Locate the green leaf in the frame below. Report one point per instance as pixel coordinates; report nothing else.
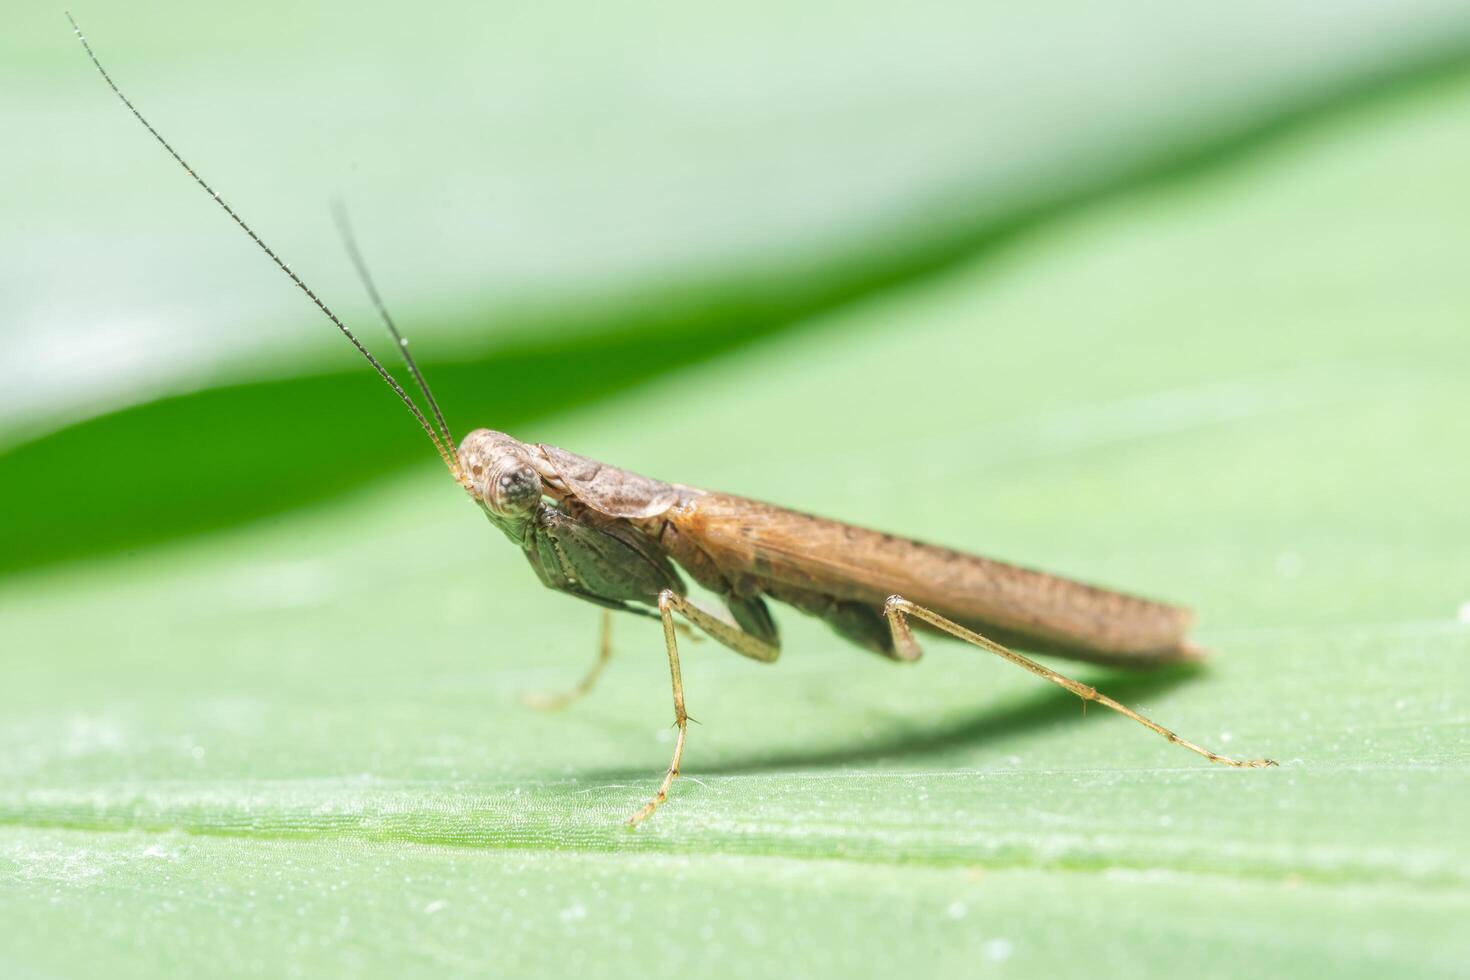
(298, 746)
(558, 170)
(309, 427)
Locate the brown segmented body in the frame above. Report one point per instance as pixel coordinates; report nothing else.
(1012, 605)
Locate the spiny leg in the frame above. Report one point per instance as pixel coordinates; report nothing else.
(558, 701)
(727, 633)
(897, 609)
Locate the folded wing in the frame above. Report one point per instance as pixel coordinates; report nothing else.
(1017, 606)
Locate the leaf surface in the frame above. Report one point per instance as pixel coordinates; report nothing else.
(298, 745)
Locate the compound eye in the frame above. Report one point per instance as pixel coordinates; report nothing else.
(511, 489)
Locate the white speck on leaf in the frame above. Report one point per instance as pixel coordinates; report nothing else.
(437, 905)
(957, 910)
(997, 950)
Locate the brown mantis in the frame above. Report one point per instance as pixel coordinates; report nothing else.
(620, 540)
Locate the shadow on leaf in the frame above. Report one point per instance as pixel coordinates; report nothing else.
(1037, 712)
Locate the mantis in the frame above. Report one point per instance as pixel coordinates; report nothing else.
(625, 542)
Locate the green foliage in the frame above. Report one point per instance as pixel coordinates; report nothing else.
(296, 745)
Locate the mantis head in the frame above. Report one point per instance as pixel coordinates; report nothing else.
(497, 471)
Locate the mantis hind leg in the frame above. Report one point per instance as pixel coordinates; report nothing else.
(732, 636)
(897, 610)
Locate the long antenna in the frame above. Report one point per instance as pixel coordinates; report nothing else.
(446, 453)
(349, 242)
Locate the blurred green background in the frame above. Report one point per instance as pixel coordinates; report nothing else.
(1168, 298)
